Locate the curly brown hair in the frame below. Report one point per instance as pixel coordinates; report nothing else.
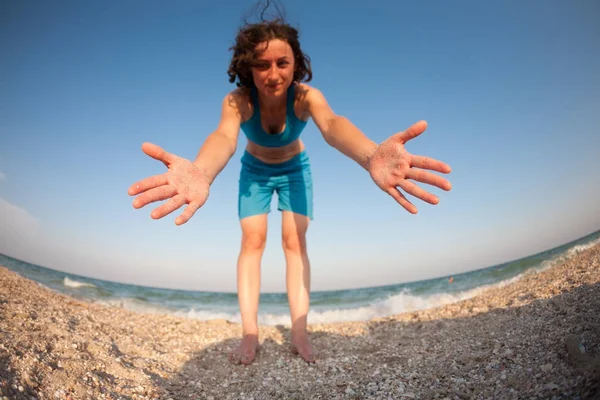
(245, 54)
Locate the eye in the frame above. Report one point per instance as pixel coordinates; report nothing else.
(261, 66)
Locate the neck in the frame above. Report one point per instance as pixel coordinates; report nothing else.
(271, 103)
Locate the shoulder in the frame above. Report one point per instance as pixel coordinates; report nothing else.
(308, 98)
(239, 101)
(238, 97)
(306, 92)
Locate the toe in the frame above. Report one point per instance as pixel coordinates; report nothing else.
(309, 357)
(247, 359)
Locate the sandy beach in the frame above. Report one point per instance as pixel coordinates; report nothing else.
(537, 338)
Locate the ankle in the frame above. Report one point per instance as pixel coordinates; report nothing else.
(250, 333)
(299, 332)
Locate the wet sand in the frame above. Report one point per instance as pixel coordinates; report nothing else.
(538, 338)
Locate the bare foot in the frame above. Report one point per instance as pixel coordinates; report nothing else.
(301, 346)
(246, 351)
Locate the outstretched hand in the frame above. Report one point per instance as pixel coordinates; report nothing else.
(391, 167)
(183, 183)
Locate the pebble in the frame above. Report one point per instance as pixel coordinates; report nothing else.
(546, 367)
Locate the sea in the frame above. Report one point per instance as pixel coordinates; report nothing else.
(326, 306)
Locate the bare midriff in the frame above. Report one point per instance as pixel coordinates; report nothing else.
(274, 155)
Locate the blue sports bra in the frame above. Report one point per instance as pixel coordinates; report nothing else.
(293, 125)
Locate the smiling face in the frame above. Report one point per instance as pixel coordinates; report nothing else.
(273, 69)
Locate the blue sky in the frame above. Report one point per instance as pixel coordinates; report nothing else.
(510, 91)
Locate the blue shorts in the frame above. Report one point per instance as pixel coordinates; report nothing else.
(292, 180)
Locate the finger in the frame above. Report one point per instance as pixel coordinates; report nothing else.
(156, 194)
(148, 183)
(158, 153)
(188, 213)
(430, 163)
(167, 208)
(418, 192)
(403, 201)
(422, 176)
(412, 132)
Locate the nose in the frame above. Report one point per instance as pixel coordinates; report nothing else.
(273, 74)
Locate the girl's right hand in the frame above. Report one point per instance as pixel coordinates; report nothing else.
(183, 183)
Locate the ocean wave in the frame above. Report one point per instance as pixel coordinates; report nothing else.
(582, 247)
(393, 305)
(398, 303)
(567, 254)
(76, 284)
(136, 305)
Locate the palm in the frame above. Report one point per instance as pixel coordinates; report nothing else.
(391, 166)
(183, 183)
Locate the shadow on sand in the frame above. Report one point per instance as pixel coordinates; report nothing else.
(514, 352)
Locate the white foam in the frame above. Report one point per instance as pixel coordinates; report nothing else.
(400, 303)
(76, 284)
(395, 304)
(208, 315)
(571, 252)
(582, 247)
(136, 305)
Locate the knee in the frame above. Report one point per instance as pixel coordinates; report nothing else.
(294, 243)
(253, 241)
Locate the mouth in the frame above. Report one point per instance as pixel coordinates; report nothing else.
(274, 87)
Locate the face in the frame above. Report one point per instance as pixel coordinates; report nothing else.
(273, 72)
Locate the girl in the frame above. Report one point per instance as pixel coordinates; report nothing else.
(272, 105)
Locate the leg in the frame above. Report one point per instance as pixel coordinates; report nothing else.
(297, 279)
(295, 191)
(254, 232)
(255, 194)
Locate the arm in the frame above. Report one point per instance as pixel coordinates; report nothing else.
(338, 131)
(389, 164)
(220, 145)
(187, 182)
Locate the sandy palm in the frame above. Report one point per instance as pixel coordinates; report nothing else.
(183, 183)
(391, 166)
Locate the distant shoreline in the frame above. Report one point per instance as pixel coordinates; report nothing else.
(349, 305)
(446, 277)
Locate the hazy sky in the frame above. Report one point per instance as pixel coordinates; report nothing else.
(510, 91)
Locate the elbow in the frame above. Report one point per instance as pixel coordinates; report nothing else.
(329, 140)
(330, 129)
(230, 143)
(233, 148)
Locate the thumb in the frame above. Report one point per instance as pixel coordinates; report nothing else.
(158, 153)
(412, 132)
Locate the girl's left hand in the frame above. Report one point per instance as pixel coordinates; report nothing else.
(391, 166)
